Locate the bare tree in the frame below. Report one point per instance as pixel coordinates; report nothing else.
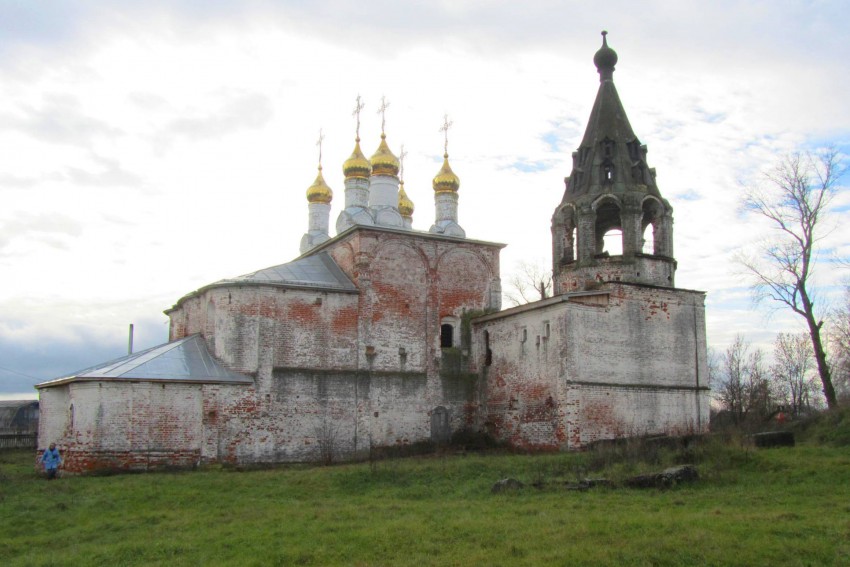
(792, 370)
(715, 364)
(794, 198)
(732, 376)
(759, 394)
(530, 281)
(839, 336)
(742, 384)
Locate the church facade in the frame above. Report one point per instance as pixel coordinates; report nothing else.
(383, 335)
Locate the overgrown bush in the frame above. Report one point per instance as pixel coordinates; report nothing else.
(830, 427)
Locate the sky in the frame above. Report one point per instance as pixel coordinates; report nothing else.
(150, 148)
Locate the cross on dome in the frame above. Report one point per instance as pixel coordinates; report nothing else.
(319, 143)
(383, 112)
(445, 130)
(401, 156)
(356, 113)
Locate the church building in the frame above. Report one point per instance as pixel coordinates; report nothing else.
(384, 335)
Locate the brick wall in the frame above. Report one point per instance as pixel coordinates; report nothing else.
(626, 360)
(335, 373)
(603, 412)
(112, 425)
(520, 401)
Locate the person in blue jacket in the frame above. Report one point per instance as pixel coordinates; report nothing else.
(51, 459)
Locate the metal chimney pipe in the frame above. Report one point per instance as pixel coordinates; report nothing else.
(130, 345)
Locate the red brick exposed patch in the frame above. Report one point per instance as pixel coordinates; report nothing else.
(393, 300)
(344, 319)
(303, 313)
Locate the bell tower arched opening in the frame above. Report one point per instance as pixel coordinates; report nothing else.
(612, 242)
(652, 212)
(564, 237)
(609, 229)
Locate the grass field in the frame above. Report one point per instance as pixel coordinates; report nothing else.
(751, 507)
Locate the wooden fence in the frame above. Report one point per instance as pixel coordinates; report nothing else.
(18, 440)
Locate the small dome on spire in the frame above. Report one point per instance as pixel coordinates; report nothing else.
(357, 165)
(605, 59)
(405, 205)
(384, 161)
(319, 192)
(446, 181)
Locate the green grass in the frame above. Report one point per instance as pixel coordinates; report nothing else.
(765, 507)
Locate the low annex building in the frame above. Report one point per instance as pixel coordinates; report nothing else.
(385, 335)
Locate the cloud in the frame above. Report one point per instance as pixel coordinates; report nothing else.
(686, 195)
(58, 119)
(148, 101)
(109, 174)
(18, 181)
(531, 166)
(562, 130)
(32, 352)
(41, 227)
(25, 365)
(231, 112)
(30, 22)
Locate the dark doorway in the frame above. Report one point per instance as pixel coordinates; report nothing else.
(446, 336)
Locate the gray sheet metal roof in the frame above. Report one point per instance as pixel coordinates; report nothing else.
(318, 271)
(184, 360)
(15, 404)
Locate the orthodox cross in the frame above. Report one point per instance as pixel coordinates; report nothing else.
(319, 143)
(383, 112)
(401, 155)
(356, 113)
(445, 130)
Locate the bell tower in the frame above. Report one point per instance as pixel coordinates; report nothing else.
(612, 223)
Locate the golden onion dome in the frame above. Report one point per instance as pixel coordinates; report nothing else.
(383, 161)
(446, 181)
(405, 205)
(357, 165)
(319, 192)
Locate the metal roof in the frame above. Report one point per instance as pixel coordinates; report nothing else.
(17, 403)
(183, 360)
(318, 271)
